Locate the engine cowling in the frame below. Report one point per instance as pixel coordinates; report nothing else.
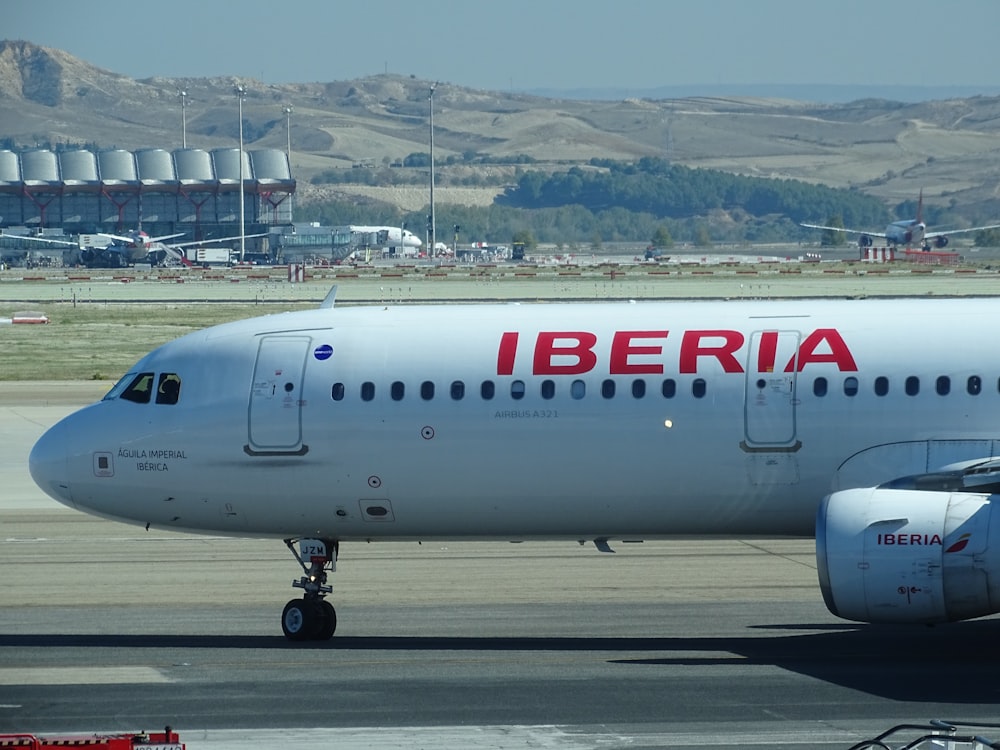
(941, 241)
(909, 555)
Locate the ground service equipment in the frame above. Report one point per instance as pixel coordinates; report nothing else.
(165, 740)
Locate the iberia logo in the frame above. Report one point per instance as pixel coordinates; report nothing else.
(960, 544)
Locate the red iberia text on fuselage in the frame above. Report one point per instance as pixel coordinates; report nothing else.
(642, 352)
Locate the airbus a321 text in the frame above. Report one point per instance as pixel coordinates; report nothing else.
(872, 424)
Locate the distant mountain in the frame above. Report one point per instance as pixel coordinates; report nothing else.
(884, 146)
(803, 92)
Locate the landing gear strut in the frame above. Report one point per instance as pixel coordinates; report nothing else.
(311, 618)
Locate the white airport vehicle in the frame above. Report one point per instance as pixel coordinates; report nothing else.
(874, 424)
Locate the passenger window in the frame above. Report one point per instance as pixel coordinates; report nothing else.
(487, 390)
(912, 385)
(140, 389)
(669, 388)
(974, 385)
(548, 389)
(427, 390)
(578, 389)
(851, 386)
(608, 388)
(367, 391)
(517, 390)
(457, 390)
(337, 392)
(638, 388)
(881, 385)
(397, 390)
(169, 389)
(943, 385)
(698, 387)
(819, 387)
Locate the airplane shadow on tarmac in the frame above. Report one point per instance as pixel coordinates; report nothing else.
(952, 663)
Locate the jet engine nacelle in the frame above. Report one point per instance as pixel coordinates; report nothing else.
(908, 555)
(864, 241)
(941, 241)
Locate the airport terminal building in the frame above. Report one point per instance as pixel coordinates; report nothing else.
(187, 190)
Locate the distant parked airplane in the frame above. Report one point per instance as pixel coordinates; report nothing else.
(382, 236)
(104, 250)
(908, 232)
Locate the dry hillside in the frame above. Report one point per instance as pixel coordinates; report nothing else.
(950, 149)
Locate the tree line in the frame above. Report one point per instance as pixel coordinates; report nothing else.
(665, 190)
(647, 202)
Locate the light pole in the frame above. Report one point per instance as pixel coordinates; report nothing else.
(184, 103)
(287, 109)
(430, 239)
(241, 92)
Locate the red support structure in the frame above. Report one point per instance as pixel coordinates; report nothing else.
(268, 195)
(120, 206)
(197, 209)
(41, 206)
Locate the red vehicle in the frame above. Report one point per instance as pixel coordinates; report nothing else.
(165, 740)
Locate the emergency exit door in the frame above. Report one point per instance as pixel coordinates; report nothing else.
(771, 379)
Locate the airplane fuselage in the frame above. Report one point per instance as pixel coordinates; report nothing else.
(906, 233)
(394, 236)
(589, 421)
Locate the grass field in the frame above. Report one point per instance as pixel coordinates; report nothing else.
(100, 342)
(99, 327)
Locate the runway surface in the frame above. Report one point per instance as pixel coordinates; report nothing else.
(682, 644)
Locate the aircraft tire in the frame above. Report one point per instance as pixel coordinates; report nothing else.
(328, 621)
(300, 620)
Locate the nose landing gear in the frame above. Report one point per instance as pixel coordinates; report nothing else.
(311, 618)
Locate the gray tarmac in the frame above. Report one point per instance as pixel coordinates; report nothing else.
(681, 644)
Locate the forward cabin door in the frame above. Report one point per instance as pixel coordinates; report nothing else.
(276, 397)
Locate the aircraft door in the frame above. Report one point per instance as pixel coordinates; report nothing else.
(770, 398)
(276, 398)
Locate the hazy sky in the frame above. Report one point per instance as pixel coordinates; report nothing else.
(527, 44)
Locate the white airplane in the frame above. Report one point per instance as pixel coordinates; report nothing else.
(139, 247)
(123, 250)
(873, 424)
(393, 237)
(908, 232)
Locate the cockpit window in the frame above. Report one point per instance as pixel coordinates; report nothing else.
(169, 388)
(117, 388)
(139, 389)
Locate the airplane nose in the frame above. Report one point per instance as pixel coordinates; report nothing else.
(48, 463)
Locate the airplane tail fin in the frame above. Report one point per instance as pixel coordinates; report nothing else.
(331, 298)
(920, 207)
